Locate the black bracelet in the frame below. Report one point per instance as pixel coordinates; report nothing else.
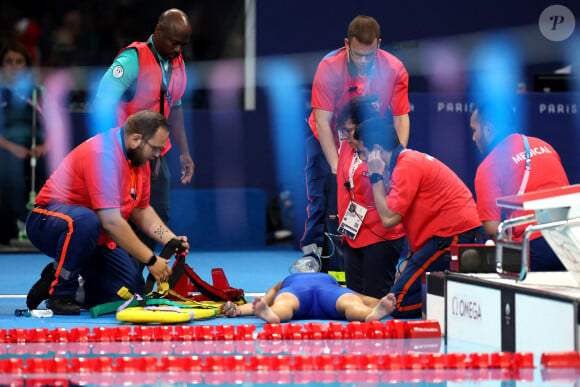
(151, 260)
(376, 177)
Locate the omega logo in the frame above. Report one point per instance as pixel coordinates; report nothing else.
(465, 309)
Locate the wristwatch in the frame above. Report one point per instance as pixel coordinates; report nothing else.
(376, 177)
(151, 261)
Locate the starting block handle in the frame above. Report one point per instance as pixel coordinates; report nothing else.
(513, 222)
(504, 240)
(525, 244)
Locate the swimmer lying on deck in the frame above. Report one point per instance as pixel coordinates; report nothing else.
(312, 296)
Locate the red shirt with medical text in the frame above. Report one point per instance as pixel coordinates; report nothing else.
(97, 175)
(501, 173)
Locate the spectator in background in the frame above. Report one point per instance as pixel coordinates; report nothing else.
(361, 67)
(74, 42)
(64, 39)
(514, 164)
(22, 141)
(371, 252)
(28, 33)
(151, 75)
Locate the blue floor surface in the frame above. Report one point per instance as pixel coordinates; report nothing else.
(253, 271)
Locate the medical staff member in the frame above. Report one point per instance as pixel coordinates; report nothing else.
(361, 67)
(151, 75)
(371, 252)
(81, 213)
(514, 164)
(427, 197)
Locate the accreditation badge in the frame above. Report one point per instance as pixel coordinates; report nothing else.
(352, 220)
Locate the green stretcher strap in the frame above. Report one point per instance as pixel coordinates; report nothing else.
(112, 307)
(109, 307)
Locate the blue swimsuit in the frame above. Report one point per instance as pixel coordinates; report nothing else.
(317, 294)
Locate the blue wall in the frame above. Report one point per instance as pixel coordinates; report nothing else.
(223, 219)
(302, 26)
(439, 126)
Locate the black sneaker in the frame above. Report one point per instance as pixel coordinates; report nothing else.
(39, 291)
(64, 305)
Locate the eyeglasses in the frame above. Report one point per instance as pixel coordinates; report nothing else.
(357, 55)
(156, 149)
(346, 131)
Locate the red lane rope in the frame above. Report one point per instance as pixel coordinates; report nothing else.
(391, 329)
(513, 362)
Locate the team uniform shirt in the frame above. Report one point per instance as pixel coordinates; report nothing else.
(135, 78)
(334, 85)
(430, 197)
(97, 175)
(501, 173)
(360, 191)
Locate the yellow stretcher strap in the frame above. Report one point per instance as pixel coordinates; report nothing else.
(339, 276)
(161, 315)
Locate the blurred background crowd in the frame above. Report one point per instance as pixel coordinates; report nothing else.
(90, 33)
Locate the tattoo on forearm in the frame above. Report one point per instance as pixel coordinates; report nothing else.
(160, 232)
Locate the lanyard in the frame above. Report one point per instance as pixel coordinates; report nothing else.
(369, 79)
(133, 181)
(369, 76)
(528, 166)
(367, 85)
(354, 164)
(132, 169)
(163, 78)
(524, 183)
(166, 84)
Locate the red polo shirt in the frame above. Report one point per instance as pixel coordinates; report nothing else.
(334, 86)
(501, 173)
(97, 175)
(431, 198)
(372, 229)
